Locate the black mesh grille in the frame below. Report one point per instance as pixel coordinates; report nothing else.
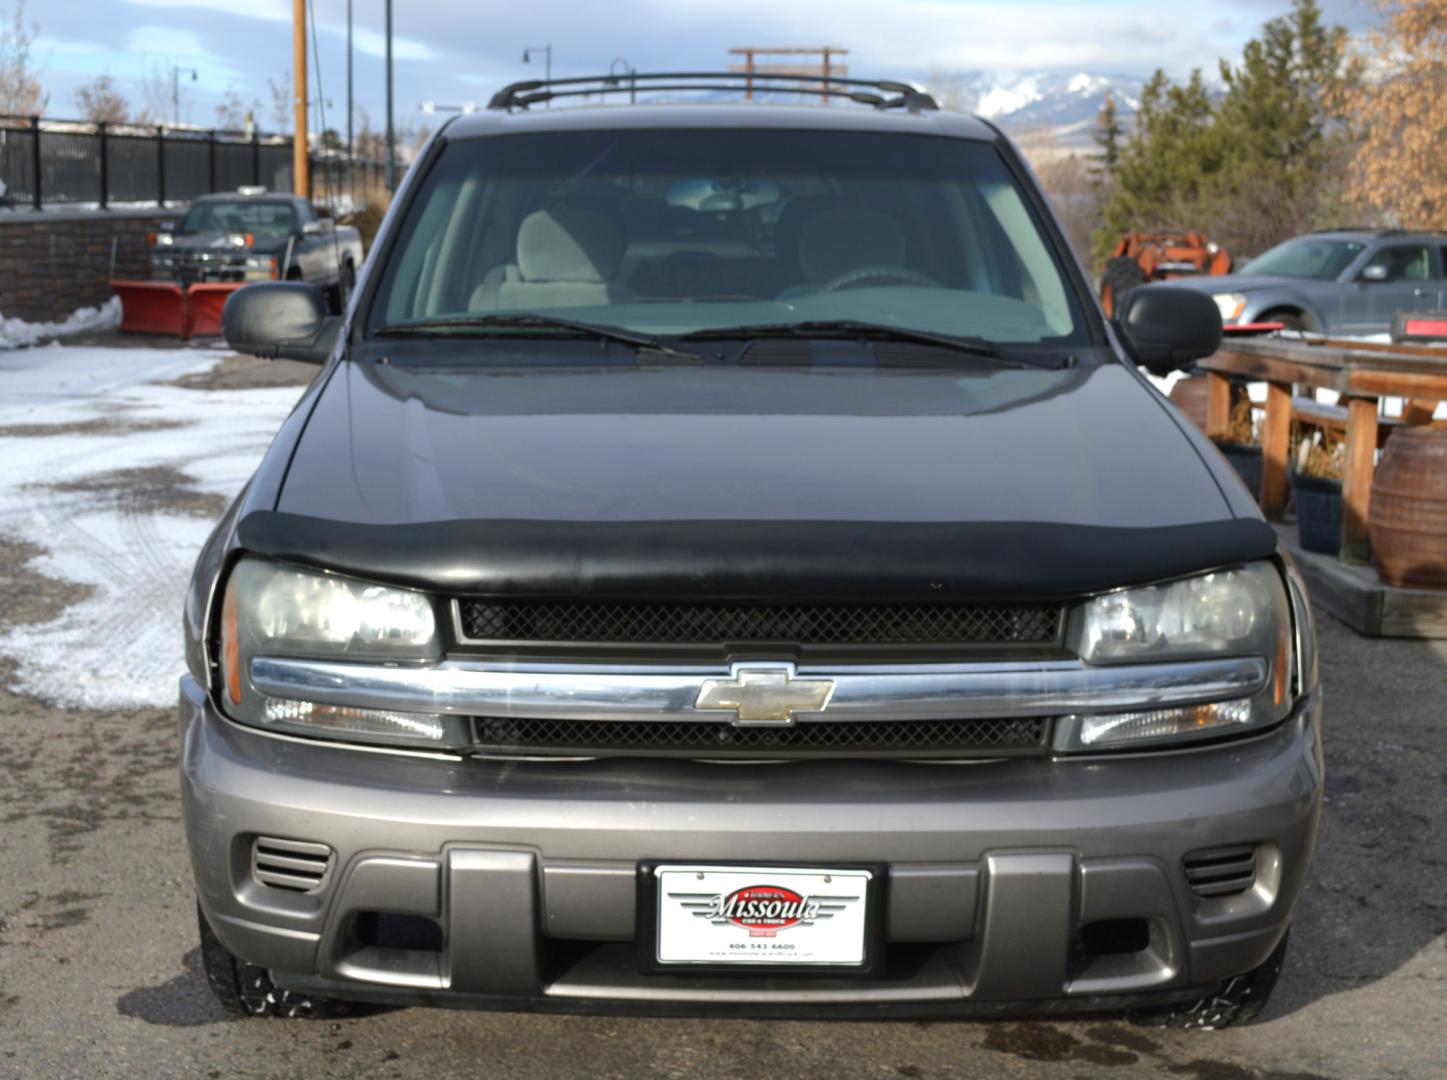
(901, 738)
(800, 624)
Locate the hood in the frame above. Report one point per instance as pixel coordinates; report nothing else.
(1237, 283)
(1088, 446)
(220, 243)
(741, 482)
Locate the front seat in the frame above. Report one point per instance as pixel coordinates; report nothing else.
(566, 257)
(837, 241)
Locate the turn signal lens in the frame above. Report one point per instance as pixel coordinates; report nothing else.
(339, 720)
(230, 646)
(1113, 729)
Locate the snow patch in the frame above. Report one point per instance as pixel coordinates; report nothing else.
(17, 333)
(1001, 100)
(78, 414)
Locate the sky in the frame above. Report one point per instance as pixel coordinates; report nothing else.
(458, 51)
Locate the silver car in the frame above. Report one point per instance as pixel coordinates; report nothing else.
(1347, 282)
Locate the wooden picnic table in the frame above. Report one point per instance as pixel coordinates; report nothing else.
(1361, 373)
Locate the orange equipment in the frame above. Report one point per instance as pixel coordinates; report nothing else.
(1142, 257)
(165, 307)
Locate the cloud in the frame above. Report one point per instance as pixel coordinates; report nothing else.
(459, 50)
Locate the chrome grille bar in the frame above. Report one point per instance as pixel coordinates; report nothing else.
(878, 692)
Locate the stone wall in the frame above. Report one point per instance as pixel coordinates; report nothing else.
(53, 262)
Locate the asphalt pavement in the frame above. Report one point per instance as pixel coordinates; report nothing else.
(100, 975)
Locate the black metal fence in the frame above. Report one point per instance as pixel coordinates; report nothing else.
(77, 163)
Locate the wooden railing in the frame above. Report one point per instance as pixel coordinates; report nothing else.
(1361, 373)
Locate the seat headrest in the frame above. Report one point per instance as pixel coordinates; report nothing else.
(834, 242)
(569, 244)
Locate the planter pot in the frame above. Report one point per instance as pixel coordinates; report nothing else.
(1408, 513)
(1245, 458)
(1189, 395)
(1318, 511)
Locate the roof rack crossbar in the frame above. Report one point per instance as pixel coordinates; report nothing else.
(532, 91)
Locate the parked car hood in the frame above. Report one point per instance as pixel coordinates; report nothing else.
(1239, 283)
(746, 481)
(221, 243)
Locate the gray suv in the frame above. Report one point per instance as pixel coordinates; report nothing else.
(728, 564)
(1347, 281)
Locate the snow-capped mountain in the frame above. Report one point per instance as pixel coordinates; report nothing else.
(1065, 104)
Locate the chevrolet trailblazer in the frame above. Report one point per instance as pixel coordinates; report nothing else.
(728, 564)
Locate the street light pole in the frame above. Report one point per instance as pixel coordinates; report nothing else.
(547, 51)
(351, 149)
(391, 137)
(630, 71)
(176, 91)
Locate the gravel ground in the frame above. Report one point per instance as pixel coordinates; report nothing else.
(99, 971)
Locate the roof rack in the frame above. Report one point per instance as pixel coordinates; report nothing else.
(879, 93)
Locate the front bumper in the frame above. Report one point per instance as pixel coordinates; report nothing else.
(529, 869)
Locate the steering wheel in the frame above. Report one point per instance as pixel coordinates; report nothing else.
(870, 275)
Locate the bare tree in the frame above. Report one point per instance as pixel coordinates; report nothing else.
(233, 114)
(949, 90)
(20, 91)
(101, 102)
(283, 105)
(156, 93)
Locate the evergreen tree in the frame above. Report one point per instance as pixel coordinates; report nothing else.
(1252, 164)
(1107, 136)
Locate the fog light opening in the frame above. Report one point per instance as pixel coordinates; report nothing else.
(390, 930)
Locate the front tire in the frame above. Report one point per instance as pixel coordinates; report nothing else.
(245, 989)
(1239, 1001)
(1123, 275)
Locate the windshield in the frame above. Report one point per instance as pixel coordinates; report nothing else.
(1306, 257)
(669, 232)
(241, 216)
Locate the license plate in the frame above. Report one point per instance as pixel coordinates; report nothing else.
(718, 916)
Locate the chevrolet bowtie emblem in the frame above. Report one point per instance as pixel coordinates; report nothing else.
(765, 695)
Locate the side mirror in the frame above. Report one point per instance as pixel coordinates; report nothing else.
(1375, 272)
(315, 228)
(1168, 328)
(281, 320)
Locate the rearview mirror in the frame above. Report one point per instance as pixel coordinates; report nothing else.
(1375, 272)
(1167, 328)
(315, 228)
(706, 194)
(281, 320)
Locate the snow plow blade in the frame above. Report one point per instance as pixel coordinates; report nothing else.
(206, 299)
(165, 308)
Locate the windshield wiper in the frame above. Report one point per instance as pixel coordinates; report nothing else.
(531, 321)
(864, 331)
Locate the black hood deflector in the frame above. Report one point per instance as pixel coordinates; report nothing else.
(763, 560)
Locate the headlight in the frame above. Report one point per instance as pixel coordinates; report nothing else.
(1230, 305)
(1241, 612)
(270, 609)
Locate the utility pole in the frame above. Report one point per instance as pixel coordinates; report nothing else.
(391, 135)
(300, 162)
(351, 147)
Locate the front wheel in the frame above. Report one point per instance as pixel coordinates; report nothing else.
(1239, 1001)
(247, 990)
